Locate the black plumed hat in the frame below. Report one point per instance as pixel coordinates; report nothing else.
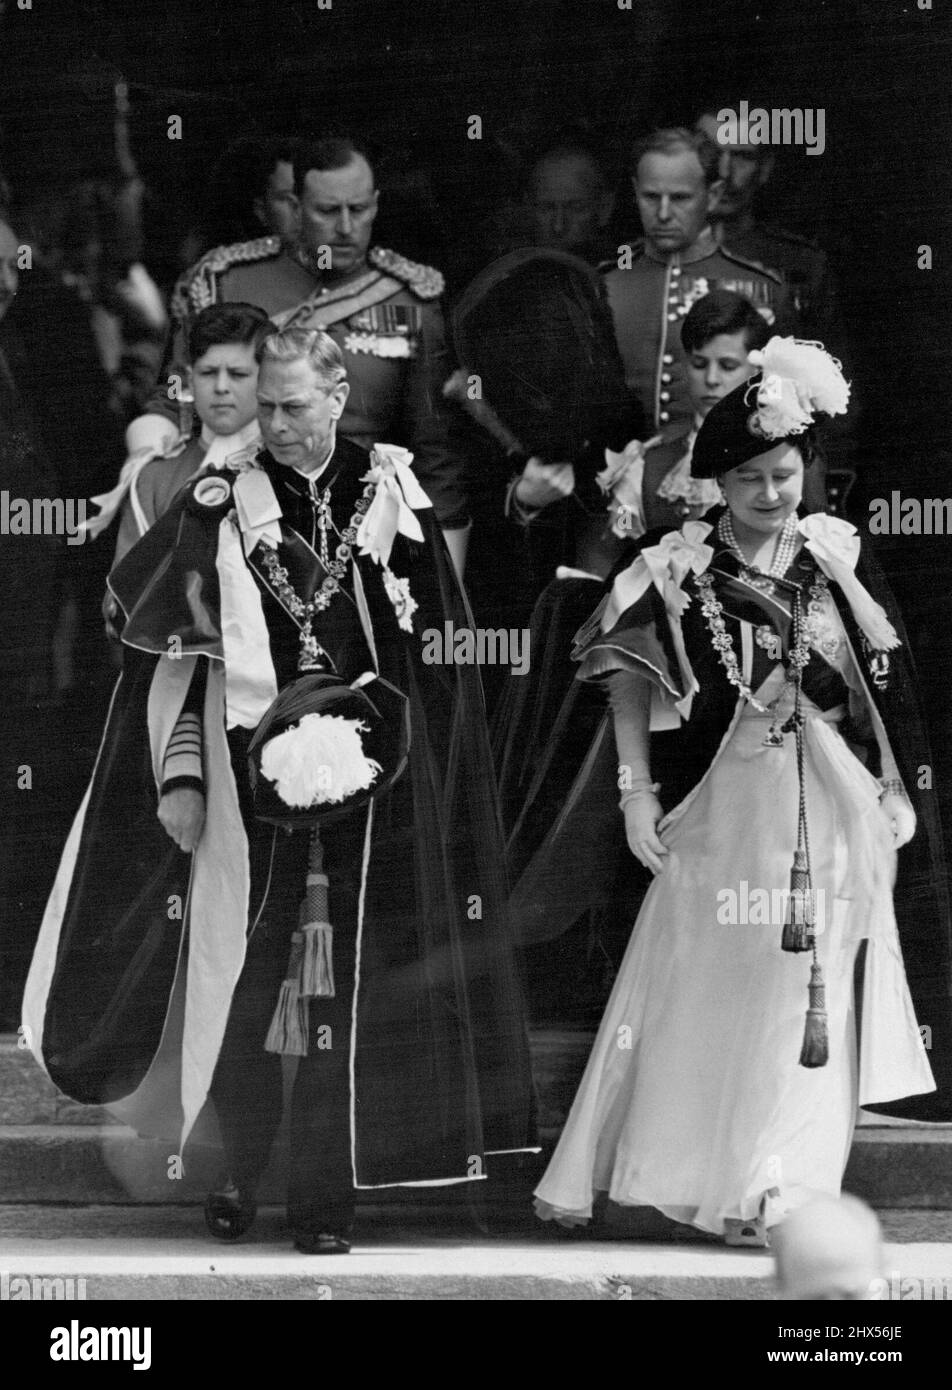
(324, 748)
(799, 385)
(726, 439)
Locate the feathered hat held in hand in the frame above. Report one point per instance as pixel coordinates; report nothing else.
(798, 383)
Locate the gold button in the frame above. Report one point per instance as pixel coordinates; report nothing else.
(664, 416)
(665, 395)
(666, 377)
(667, 359)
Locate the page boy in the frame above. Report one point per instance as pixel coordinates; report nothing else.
(223, 377)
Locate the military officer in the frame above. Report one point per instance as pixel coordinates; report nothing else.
(569, 197)
(382, 310)
(805, 267)
(654, 282)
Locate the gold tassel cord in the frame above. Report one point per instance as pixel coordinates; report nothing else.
(288, 1033)
(310, 964)
(317, 971)
(799, 924)
(815, 1051)
(799, 932)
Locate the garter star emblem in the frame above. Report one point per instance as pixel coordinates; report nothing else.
(404, 604)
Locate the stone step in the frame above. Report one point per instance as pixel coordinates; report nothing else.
(111, 1164)
(28, 1097)
(164, 1253)
(53, 1150)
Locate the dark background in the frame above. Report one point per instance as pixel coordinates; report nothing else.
(409, 75)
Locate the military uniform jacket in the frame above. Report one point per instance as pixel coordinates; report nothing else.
(650, 299)
(387, 321)
(805, 268)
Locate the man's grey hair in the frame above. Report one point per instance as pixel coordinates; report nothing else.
(307, 345)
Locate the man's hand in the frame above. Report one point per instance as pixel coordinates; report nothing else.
(901, 817)
(182, 813)
(543, 483)
(642, 815)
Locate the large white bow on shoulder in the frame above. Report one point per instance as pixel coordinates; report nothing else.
(666, 565)
(397, 495)
(835, 544)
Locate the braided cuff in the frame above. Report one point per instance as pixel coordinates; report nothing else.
(183, 757)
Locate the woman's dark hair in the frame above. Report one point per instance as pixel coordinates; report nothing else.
(808, 444)
(810, 447)
(723, 311)
(228, 323)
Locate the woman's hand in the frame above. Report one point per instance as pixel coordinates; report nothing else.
(901, 817)
(182, 814)
(544, 483)
(642, 815)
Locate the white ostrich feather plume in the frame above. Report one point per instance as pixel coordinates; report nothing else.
(799, 379)
(319, 761)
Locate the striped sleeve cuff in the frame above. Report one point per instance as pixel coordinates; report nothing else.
(183, 757)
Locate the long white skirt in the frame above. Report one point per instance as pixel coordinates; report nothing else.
(693, 1100)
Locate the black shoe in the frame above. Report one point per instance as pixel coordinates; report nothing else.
(229, 1213)
(323, 1244)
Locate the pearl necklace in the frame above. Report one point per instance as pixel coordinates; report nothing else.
(783, 554)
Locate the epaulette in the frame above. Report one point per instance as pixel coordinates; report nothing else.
(423, 280)
(794, 238)
(637, 248)
(198, 288)
(749, 264)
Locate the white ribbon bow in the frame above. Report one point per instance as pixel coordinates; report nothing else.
(397, 492)
(835, 544)
(666, 565)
